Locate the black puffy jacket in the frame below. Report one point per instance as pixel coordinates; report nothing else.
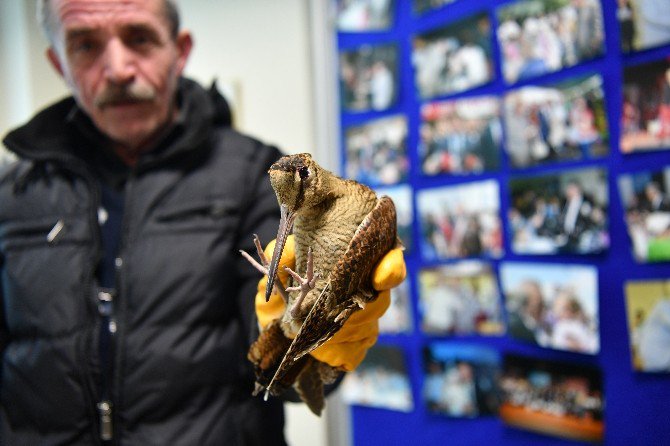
(183, 308)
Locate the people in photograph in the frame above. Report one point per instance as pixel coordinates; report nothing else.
(571, 328)
(382, 90)
(654, 338)
(527, 321)
(126, 309)
(655, 200)
(575, 215)
(624, 15)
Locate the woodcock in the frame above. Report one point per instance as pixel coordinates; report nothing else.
(341, 230)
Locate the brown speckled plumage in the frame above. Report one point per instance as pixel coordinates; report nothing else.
(348, 229)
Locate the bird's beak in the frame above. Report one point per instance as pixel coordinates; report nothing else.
(285, 226)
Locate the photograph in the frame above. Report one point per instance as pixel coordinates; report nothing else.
(460, 221)
(364, 15)
(402, 199)
(369, 78)
(424, 6)
(648, 310)
(460, 380)
(376, 151)
(645, 198)
(554, 398)
(453, 58)
(645, 110)
(643, 24)
(538, 37)
(460, 299)
(398, 317)
(461, 136)
(380, 381)
(553, 123)
(561, 213)
(552, 305)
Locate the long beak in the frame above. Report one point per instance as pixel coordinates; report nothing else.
(285, 226)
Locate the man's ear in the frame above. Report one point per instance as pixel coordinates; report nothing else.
(52, 55)
(184, 42)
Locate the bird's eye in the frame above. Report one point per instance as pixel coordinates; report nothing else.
(303, 172)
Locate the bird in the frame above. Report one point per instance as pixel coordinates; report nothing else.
(341, 230)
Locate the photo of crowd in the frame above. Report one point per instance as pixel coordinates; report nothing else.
(377, 151)
(460, 221)
(554, 398)
(460, 299)
(364, 15)
(381, 381)
(643, 24)
(460, 380)
(553, 123)
(553, 306)
(538, 37)
(453, 58)
(460, 136)
(648, 309)
(402, 198)
(645, 197)
(398, 317)
(560, 213)
(645, 110)
(369, 78)
(423, 6)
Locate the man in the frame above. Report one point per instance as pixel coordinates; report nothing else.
(126, 308)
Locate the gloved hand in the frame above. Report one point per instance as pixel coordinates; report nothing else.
(347, 348)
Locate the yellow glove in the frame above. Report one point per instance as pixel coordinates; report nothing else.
(347, 348)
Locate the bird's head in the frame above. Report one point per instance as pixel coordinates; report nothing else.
(300, 183)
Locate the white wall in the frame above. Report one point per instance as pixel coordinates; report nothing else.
(264, 48)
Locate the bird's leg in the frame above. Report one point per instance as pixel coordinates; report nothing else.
(263, 265)
(305, 285)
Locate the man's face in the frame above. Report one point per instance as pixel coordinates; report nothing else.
(121, 63)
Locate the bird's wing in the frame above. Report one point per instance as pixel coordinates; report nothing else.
(351, 277)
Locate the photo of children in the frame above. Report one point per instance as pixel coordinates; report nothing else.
(380, 381)
(398, 317)
(402, 198)
(560, 213)
(553, 123)
(554, 398)
(648, 308)
(643, 24)
(460, 380)
(377, 151)
(369, 78)
(364, 15)
(538, 37)
(460, 221)
(645, 112)
(453, 58)
(460, 137)
(645, 197)
(553, 306)
(460, 299)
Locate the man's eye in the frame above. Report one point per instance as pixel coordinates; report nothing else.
(83, 46)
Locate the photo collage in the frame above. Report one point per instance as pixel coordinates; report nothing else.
(523, 167)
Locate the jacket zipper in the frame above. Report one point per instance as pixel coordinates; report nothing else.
(106, 350)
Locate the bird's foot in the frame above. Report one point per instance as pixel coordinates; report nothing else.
(305, 285)
(263, 265)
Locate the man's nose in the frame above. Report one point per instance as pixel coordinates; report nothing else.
(119, 62)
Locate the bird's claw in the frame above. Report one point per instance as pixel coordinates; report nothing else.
(263, 265)
(305, 284)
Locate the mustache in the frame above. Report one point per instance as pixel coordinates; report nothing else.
(116, 94)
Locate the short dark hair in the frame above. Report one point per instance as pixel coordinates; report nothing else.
(48, 20)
